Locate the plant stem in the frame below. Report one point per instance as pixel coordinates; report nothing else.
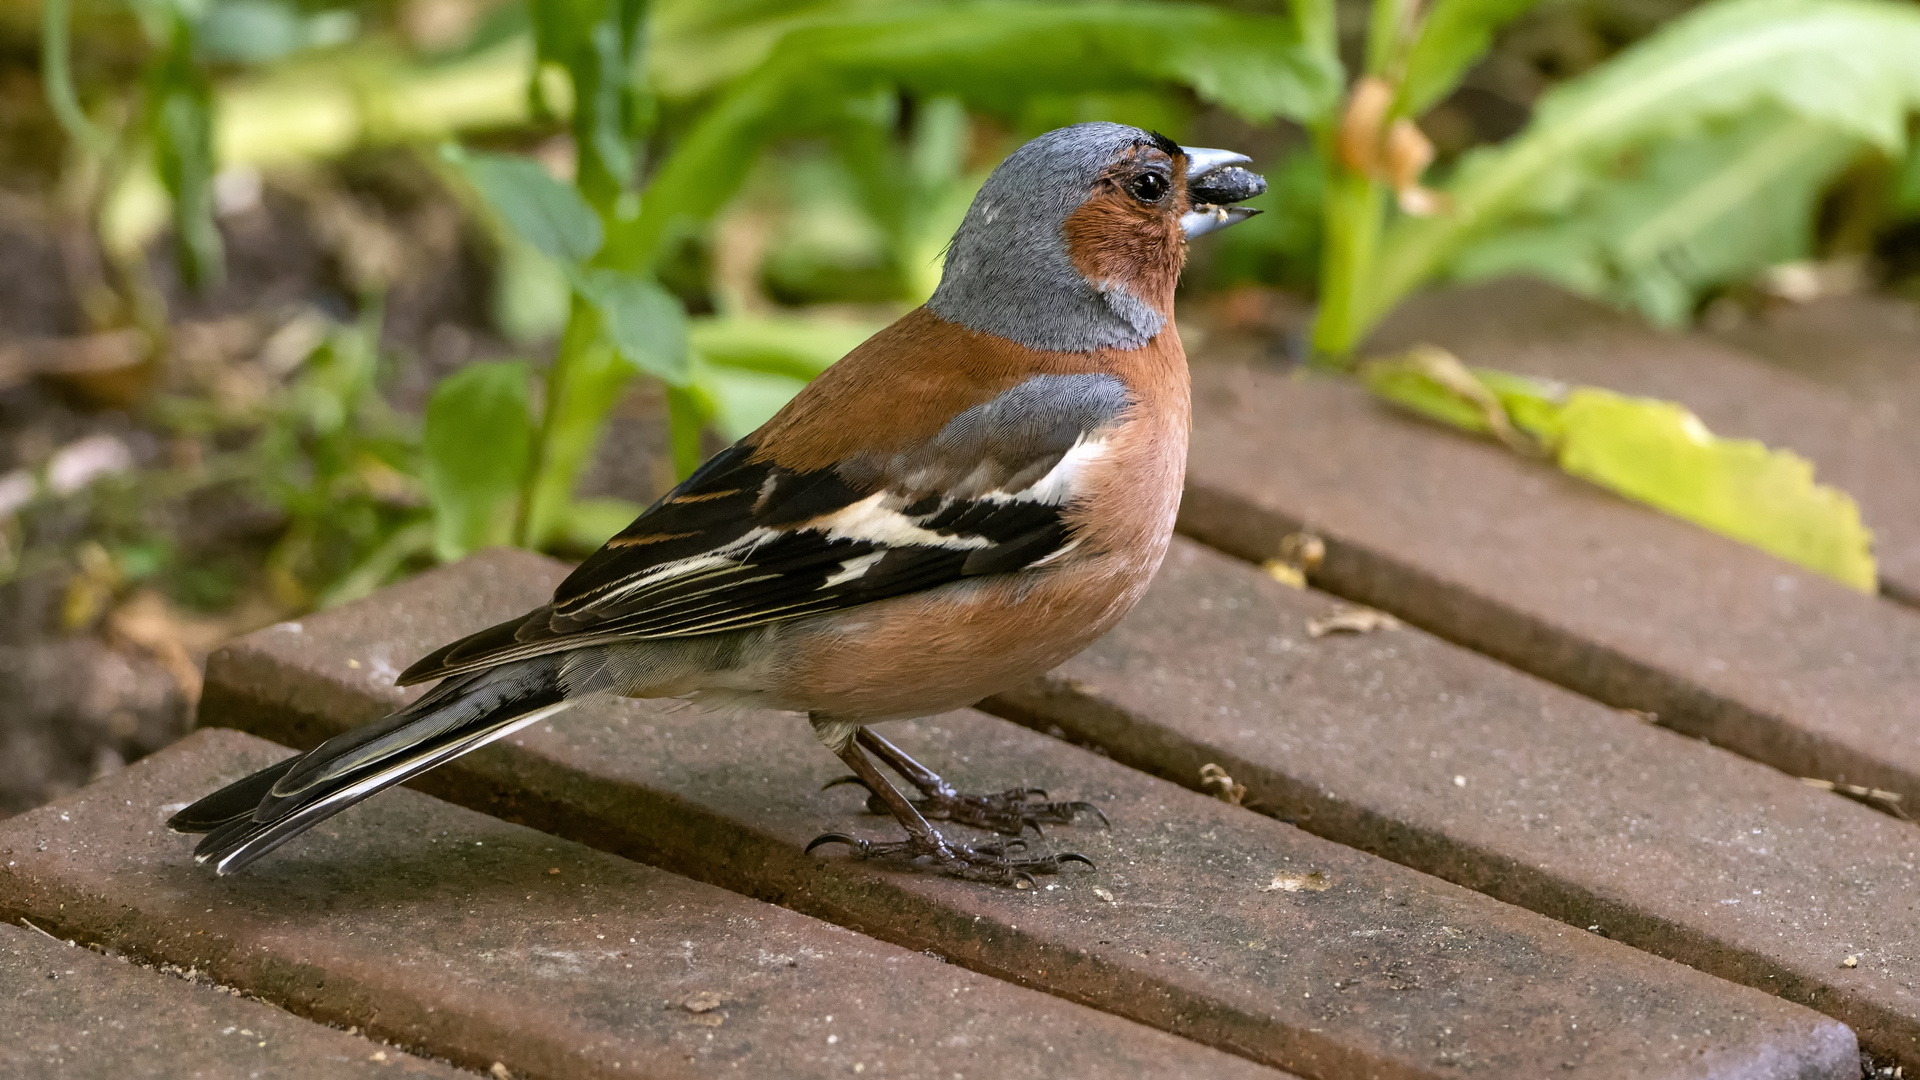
(56, 64)
(1355, 209)
(687, 414)
(586, 381)
(1390, 29)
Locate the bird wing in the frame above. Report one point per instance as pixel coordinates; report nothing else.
(745, 541)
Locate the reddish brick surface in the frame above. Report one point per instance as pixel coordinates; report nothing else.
(1558, 577)
(1368, 969)
(1863, 345)
(1420, 751)
(73, 1013)
(1870, 449)
(483, 941)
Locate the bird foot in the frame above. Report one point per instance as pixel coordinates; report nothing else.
(992, 862)
(1010, 813)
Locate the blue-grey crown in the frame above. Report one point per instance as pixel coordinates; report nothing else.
(1008, 273)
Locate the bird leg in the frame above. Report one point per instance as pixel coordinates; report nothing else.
(1009, 813)
(924, 847)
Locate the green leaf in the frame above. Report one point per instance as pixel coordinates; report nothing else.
(599, 44)
(180, 121)
(479, 433)
(740, 400)
(593, 522)
(584, 384)
(1654, 452)
(531, 292)
(379, 566)
(1454, 35)
(992, 56)
(1681, 218)
(645, 322)
(1660, 454)
(260, 31)
(1844, 65)
(1906, 186)
(56, 66)
(544, 212)
(795, 348)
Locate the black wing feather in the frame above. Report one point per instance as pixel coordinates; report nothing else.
(744, 542)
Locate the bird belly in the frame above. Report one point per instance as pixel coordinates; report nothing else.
(948, 647)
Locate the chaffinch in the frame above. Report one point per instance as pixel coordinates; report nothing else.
(969, 498)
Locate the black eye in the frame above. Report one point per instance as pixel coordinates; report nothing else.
(1147, 187)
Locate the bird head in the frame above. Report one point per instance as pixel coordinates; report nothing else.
(1076, 241)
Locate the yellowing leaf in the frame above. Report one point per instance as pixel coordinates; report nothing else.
(1658, 453)
(1654, 452)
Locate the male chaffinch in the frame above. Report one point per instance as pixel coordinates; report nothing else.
(969, 498)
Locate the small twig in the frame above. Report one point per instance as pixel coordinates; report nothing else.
(1878, 798)
(43, 933)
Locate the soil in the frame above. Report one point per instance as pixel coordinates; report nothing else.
(88, 694)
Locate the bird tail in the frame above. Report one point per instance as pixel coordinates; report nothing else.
(250, 817)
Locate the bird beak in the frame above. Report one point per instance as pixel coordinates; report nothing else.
(1215, 180)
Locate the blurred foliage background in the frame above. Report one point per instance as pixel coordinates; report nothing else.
(297, 296)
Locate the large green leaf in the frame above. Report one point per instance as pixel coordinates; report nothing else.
(599, 44)
(1660, 454)
(544, 212)
(479, 433)
(747, 368)
(992, 56)
(1654, 452)
(1682, 217)
(260, 31)
(1846, 65)
(1454, 35)
(697, 46)
(796, 348)
(645, 322)
(592, 522)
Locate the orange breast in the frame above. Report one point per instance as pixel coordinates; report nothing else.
(949, 647)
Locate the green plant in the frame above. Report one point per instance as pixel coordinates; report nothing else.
(174, 131)
(1654, 452)
(1638, 182)
(840, 76)
(1694, 159)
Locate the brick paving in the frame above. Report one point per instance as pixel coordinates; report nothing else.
(1557, 577)
(1220, 924)
(1422, 752)
(483, 941)
(73, 1013)
(1416, 817)
(1863, 345)
(1870, 448)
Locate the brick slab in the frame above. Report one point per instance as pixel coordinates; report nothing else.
(73, 1013)
(1558, 577)
(1429, 755)
(1865, 345)
(1368, 969)
(1870, 449)
(446, 929)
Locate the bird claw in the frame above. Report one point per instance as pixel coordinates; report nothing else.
(982, 862)
(858, 845)
(1009, 813)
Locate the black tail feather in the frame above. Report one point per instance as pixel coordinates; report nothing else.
(253, 816)
(231, 803)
